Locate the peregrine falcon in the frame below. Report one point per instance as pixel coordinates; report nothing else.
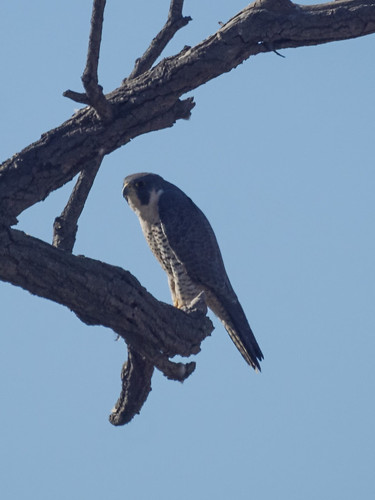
(183, 241)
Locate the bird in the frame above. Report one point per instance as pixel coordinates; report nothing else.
(183, 241)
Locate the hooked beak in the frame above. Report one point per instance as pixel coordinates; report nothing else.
(125, 191)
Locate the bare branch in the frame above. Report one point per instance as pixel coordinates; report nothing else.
(66, 225)
(174, 371)
(94, 92)
(150, 102)
(61, 153)
(136, 377)
(174, 22)
(101, 294)
(136, 385)
(77, 96)
(175, 9)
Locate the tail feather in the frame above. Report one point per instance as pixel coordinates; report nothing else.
(231, 314)
(250, 350)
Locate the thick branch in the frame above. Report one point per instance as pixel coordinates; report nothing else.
(101, 294)
(136, 377)
(60, 154)
(150, 102)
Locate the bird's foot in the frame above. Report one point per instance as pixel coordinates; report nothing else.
(198, 304)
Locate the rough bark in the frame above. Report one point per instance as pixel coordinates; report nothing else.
(149, 99)
(136, 385)
(101, 294)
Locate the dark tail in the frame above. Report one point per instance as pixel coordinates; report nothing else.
(231, 314)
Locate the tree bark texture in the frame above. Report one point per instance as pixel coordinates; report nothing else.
(100, 294)
(149, 99)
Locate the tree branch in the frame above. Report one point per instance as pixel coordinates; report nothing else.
(136, 377)
(97, 292)
(101, 294)
(174, 22)
(105, 295)
(66, 225)
(94, 92)
(62, 153)
(151, 102)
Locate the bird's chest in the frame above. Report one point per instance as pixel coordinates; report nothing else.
(183, 289)
(159, 244)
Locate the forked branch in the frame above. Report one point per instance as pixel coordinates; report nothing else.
(100, 294)
(109, 296)
(94, 92)
(136, 377)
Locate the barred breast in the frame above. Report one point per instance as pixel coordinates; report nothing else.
(183, 289)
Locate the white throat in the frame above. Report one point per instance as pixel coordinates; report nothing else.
(149, 212)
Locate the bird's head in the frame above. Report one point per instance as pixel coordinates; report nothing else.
(142, 192)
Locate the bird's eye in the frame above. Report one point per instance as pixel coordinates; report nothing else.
(139, 184)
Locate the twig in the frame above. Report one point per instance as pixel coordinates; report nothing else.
(175, 371)
(65, 226)
(94, 92)
(174, 22)
(76, 96)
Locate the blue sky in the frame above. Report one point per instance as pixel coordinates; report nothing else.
(279, 154)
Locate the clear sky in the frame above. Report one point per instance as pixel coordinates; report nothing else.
(279, 154)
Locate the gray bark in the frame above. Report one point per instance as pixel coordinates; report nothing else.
(149, 99)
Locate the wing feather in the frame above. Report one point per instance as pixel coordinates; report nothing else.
(192, 239)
